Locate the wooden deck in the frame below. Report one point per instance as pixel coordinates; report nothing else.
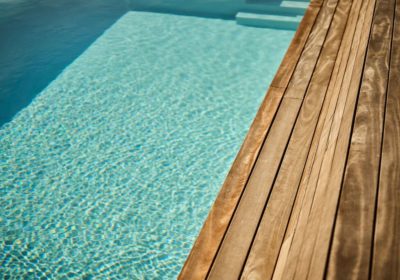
(314, 192)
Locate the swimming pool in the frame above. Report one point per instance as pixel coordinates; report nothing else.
(111, 170)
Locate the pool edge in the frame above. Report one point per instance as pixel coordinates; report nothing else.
(206, 246)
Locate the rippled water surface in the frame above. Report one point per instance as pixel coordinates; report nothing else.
(39, 38)
(111, 170)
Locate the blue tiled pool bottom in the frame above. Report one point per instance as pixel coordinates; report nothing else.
(112, 169)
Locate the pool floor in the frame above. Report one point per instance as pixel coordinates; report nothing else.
(111, 170)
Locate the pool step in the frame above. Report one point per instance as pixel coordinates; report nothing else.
(269, 1)
(296, 6)
(285, 7)
(268, 21)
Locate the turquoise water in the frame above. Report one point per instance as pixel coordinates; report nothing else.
(39, 38)
(110, 172)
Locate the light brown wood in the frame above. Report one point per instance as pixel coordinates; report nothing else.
(285, 267)
(264, 252)
(322, 215)
(352, 239)
(206, 246)
(310, 244)
(303, 205)
(386, 257)
(230, 259)
(232, 254)
(295, 49)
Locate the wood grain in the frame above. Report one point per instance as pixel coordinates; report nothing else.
(386, 257)
(320, 164)
(310, 243)
(285, 267)
(230, 259)
(322, 215)
(206, 246)
(232, 254)
(352, 239)
(264, 252)
(295, 49)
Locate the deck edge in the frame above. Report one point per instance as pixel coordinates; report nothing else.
(206, 246)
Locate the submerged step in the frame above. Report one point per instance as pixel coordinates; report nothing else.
(269, 1)
(299, 6)
(269, 21)
(285, 7)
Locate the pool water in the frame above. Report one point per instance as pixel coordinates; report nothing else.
(39, 38)
(111, 170)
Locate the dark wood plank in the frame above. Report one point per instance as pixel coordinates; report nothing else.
(386, 257)
(264, 252)
(352, 239)
(232, 254)
(206, 246)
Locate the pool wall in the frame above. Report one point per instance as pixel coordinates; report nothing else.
(207, 8)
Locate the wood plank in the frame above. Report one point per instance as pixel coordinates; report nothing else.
(234, 248)
(386, 254)
(310, 245)
(307, 186)
(206, 246)
(352, 239)
(264, 252)
(285, 267)
(324, 207)
(295, 49)
(229, 261)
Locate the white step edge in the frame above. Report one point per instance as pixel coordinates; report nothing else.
(268, 21)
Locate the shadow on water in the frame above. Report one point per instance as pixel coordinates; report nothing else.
(38, 39)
